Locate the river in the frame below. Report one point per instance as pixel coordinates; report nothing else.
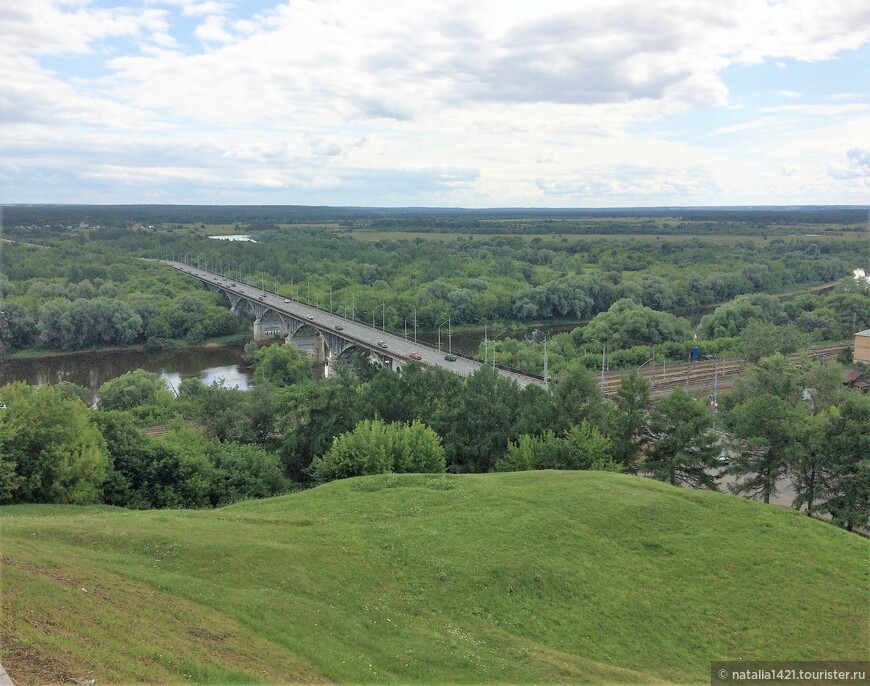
(92, 369)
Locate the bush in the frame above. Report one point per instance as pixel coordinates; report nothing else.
(583, 447)
(374, 447)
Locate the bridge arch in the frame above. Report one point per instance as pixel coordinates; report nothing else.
(307, 338)
(273, 325)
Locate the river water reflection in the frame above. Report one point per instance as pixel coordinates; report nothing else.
(92, 369)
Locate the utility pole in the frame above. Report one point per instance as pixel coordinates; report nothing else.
(485, 345)
(715, 402)
(546, 379)
(383, 316)
(603, 357)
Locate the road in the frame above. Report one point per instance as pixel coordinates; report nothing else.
(397, 347)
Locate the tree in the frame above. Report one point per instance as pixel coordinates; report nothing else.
(224, 413)
(626, 323)
(58, 455)
(242, 472)
(578, 398)
(539, 412)
(734, 316)
(765, 426)
(761, 339)
(307, 418)
(480, 421)
(249, 354)
(683, 450)
(628, 423)
(775, 375)
(134, 390)
(17, 327)
(807, 466)
(182, 473)
(847, 477)
(281, 365)
(589, 449)
(386, 397)
(132, 457)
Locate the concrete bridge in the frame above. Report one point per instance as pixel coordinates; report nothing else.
(326, 336)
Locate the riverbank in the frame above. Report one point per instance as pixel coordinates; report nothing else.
(221, 342)
(91, 369)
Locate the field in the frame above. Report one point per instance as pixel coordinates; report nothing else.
(547, 577)
(568, 238)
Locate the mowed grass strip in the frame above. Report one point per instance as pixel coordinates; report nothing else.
(547, 577)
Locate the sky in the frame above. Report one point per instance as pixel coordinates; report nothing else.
(480, 103)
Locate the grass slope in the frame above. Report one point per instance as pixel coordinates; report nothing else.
(526, 577)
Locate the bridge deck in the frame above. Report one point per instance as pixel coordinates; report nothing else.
(359, 333)
(691, 376)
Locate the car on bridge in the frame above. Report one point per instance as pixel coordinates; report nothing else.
(339, 327)
(415, 356)
(287, 300)
(310, 317)
(382, 344)
(450, 357)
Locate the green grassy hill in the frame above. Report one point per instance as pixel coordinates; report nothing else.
(526, 577)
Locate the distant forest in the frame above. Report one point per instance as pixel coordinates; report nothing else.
(661, 220)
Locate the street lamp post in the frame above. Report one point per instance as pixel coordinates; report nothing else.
(494, 339)
(603, 358)
(449, 336)
(546, 335)
(413, 314)
(485, 343)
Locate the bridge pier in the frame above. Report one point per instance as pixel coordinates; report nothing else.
(311, 342)
(259, 335)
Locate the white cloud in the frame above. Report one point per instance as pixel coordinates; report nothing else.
(818, 110)
(51, 27)
(213, 30)
(741, 127)
(492, 102)
(856, 168)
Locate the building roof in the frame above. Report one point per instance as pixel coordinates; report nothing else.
(865, 332)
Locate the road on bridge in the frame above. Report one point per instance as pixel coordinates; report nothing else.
(369, 337)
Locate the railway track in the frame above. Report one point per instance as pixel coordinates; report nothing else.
(705, 374)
